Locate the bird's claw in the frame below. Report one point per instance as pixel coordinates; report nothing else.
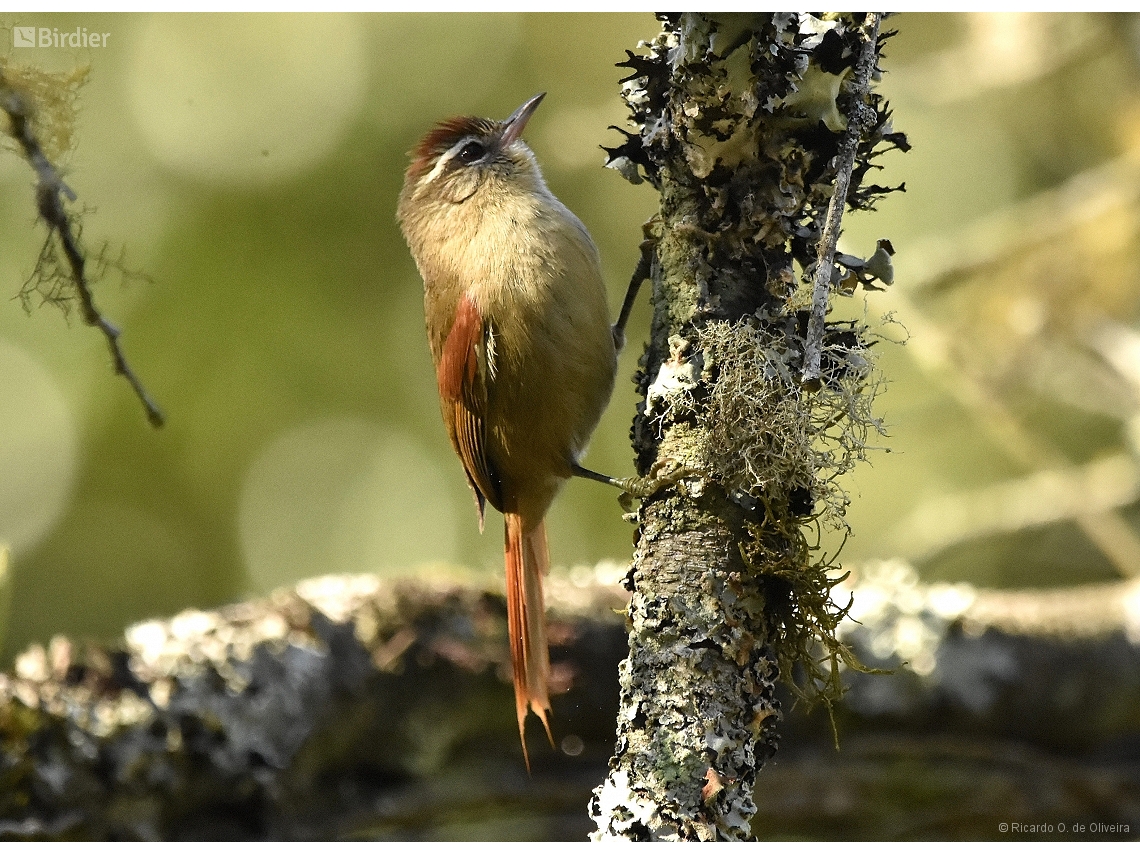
(642, 487)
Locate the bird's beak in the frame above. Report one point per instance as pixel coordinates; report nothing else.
(513, 127)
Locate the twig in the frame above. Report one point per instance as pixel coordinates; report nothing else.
(49, 190)
(830, 236)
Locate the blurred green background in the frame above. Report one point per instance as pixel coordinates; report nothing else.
(249, 164)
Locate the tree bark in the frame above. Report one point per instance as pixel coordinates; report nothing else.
(742, 121)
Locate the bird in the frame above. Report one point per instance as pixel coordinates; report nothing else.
(525, 356)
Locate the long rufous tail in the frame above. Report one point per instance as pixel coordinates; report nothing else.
(527, 561)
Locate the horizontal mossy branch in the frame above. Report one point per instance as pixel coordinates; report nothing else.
(361, 708)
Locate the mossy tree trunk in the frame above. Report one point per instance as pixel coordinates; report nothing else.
(746, 124)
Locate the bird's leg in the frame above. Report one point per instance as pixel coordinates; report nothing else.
(638, 487)
(640, 274)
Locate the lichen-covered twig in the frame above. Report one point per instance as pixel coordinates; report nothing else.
(860, 116)
(50, 193)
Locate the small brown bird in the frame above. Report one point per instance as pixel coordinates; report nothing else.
(524, 353)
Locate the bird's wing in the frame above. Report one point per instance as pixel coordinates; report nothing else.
(465, 370)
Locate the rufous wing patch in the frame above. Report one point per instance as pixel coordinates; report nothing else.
(462, 375)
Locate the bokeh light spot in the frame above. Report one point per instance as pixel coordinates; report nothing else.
(245, 99)
(343, 495)
(38, 449)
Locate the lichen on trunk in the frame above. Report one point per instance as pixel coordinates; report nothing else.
(739, 120)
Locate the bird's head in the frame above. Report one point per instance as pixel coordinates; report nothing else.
(460, 156)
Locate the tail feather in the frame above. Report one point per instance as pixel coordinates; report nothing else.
(527, 562)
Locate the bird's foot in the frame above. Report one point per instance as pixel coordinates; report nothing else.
(641, 486)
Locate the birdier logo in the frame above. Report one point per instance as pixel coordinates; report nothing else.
(44, 37)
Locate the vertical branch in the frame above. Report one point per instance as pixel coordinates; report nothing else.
(740, 119)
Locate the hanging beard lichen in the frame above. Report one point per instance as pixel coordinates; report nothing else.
(780, 450)
(48, 100)
(773, 441)
(786, 448)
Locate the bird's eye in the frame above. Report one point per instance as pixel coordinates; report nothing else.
(471, 152)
